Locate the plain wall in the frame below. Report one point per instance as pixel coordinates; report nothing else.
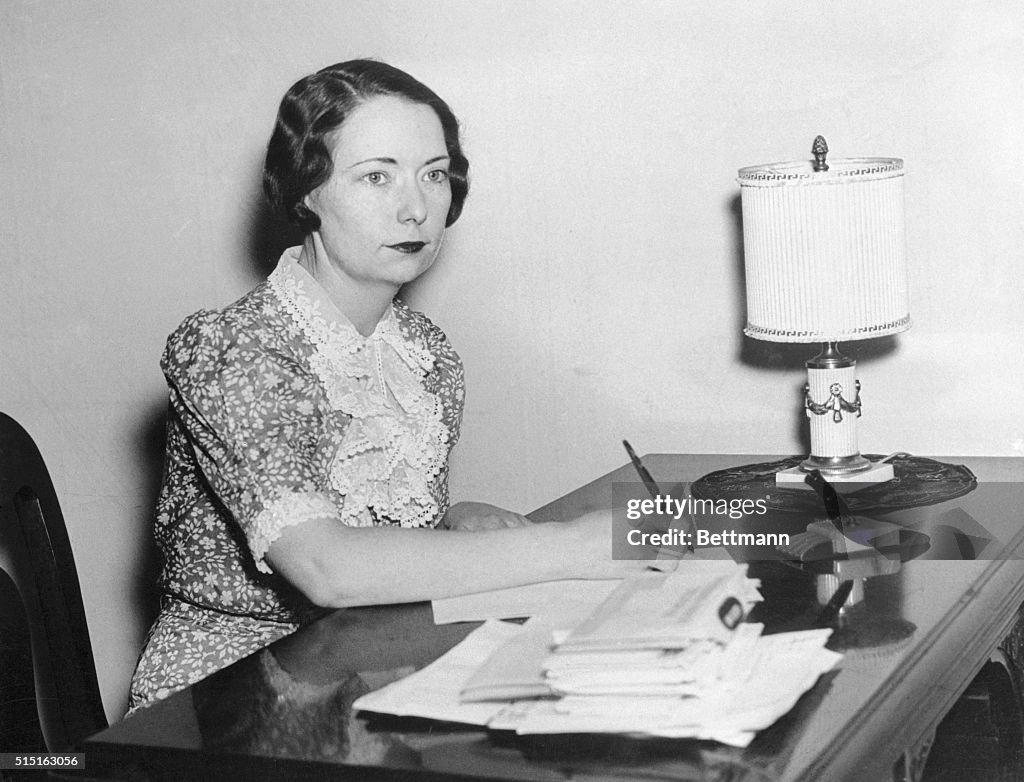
(594, 283)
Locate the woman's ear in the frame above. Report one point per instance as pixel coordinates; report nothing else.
(305, 211)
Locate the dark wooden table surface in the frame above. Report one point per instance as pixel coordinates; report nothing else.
(913, 643)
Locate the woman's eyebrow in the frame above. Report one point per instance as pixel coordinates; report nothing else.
(388, 160)
(392, 162)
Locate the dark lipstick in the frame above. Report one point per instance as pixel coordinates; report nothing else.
(408, 247)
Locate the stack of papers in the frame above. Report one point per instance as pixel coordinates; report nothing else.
(705, 602)
(656, 635)
(663, 655)
(726, 697)
(685, 671)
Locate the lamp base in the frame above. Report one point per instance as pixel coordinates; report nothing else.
(875, 473)
(835, 466)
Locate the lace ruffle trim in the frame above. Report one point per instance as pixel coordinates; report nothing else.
(288, 510)
(396, 443)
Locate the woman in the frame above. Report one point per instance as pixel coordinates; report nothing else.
(311, 421)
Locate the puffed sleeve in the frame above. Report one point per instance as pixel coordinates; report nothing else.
(260, 428)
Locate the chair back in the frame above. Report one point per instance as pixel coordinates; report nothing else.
(19, 721)
(36, 553)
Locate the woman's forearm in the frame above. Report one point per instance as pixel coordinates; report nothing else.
(338, 566)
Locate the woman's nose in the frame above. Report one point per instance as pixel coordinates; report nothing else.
(413, 204)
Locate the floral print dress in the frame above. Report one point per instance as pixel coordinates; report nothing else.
(282, 412)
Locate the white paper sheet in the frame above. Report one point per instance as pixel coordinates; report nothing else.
(433, 692)
(516, 669)
(565, 601)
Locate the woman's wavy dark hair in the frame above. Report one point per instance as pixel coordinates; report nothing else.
(299, 156)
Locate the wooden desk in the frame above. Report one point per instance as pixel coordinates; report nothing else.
(252, 721)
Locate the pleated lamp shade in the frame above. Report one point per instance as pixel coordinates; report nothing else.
(825, 251)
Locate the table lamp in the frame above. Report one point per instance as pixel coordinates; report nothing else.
(825, 255)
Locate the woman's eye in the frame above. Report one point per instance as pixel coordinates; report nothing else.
(376, 177)
(437, 175)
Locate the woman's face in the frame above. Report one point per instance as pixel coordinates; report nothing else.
(383, 210)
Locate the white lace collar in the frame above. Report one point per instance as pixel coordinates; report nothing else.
(396, 443)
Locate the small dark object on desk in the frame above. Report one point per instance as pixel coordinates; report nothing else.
(831, 609)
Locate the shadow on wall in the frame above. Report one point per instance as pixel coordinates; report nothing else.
(269, 234)
(150, 455)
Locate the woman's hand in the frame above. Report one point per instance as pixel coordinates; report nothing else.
(479, 516)
(592, 549)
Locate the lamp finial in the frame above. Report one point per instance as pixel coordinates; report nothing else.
(819, 149)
